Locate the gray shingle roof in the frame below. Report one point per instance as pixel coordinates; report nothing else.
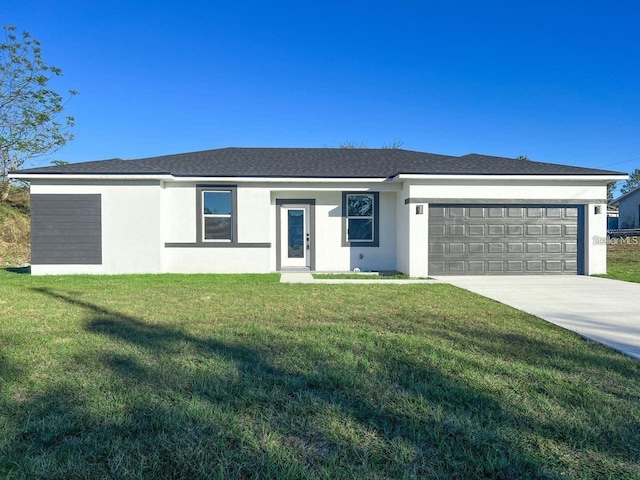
(316, 163)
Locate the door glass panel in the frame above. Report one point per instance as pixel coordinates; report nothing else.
(296, 233)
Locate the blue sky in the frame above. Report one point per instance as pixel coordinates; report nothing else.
(556, 81)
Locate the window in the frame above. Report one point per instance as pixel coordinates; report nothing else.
(360, 212)
(217, 214)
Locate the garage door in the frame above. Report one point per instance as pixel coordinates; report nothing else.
(503, 239)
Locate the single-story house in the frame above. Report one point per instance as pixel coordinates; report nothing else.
(628, 209)
(322, 209)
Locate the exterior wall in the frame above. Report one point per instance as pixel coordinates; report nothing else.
(140, 217)
(130, 226)
(330, 255)
(179, 226)
(403, 259)
(583, 193)
(628, 210)
(595, 235)
(216, 260)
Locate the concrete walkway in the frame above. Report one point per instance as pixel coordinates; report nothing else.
(607, 311)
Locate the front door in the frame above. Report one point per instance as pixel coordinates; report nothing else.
(295, 235)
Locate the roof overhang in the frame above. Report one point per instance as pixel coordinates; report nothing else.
(239, 179)
(572, 178)
(282, 179)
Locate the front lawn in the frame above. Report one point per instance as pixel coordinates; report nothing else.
(623, 259)
(209, 376)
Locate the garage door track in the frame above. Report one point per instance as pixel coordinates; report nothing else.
(607, 311)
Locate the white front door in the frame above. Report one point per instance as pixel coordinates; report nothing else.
(295, 235)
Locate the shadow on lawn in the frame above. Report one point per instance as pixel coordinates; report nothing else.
(19, 270)
(202, 407)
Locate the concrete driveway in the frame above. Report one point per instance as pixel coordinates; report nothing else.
(607, 311)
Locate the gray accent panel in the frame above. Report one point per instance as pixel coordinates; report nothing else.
(312, 228)
(66, 229)
(217, 245)
(485, 201)
(503, 239)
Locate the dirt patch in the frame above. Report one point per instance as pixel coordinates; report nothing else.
(15, 229)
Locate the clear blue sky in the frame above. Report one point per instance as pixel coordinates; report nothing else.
(557, 81)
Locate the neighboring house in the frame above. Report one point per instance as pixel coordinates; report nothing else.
(628, 209)
(612, 217)
(322, 209)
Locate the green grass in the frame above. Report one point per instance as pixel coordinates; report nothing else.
(209, 376)
(623, 260)
(360, 276)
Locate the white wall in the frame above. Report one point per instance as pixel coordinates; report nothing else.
(495, 190)
(179, 226)
(216, 260)
(330, 254)
(403, 244)
(130, 226)
(595, 251)
(139, 217)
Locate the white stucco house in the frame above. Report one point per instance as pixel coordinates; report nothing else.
(321, 209)
(628, 209)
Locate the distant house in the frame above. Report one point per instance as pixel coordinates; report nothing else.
(319, 209)
(612, 217)
(628, 209)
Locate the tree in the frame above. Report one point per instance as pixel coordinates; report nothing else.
(523, 157)
(30, 111)
(632, 182)
(611, 187)
(396, 144)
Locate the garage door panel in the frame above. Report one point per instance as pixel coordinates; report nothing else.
(500, 239)
(571, 266)
(515, 266)
(570, 248)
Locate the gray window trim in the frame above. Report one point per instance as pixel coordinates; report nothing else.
(376, 221)
(200, 189)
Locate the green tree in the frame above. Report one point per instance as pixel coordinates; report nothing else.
(396, 144)
(31, 122)
(611, 187)
(523, 157)
(632, 182)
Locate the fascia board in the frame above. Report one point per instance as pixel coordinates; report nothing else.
(554, 178)
(80, 176)
(280, 179)
(83, 176)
